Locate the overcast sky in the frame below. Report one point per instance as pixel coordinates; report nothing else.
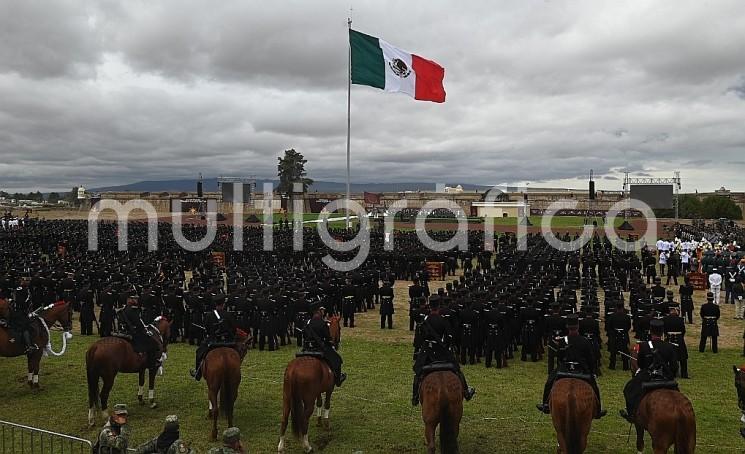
(111, 92)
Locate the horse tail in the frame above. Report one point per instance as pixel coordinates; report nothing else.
(93, 397)
(227, 395)
(297, 408)
(571, 428)
(448, 440)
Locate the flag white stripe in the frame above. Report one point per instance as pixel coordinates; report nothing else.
(393, 81)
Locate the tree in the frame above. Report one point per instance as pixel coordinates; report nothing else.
(690, 207)
(72, 197)
(717, 206)
(53, 197)
(291, 169)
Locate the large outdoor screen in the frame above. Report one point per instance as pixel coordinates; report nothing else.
(654, 195)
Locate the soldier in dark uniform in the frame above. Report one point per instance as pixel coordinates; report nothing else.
(675, 331)
(317, 338)
(496, 339)
(619, 325)
(87, 314)
(107, 302)
(174, 305)
(555, 325)
(709, 323)
(220, 329)
(658, 291)
(135, 327)
(575, 355)
(686, 299)
(467, 331)
(657, 362)
(529, 320)
(349, 303)
(436, 347)
(415, 292)
(19, 320)
(589, 328)
(386, 305)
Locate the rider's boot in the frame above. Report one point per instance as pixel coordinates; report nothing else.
(31, 347)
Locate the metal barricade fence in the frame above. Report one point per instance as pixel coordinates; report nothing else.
(20, 439)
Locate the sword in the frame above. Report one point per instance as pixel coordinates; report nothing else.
(199, 326)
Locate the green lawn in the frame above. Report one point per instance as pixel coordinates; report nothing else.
(371, 413)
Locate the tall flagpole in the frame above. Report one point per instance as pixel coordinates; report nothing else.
(349, 110)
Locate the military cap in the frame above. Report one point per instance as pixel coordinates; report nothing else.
(231, 435)
(120, 409)
(709, 296)
(669, 293)
(572, 321)
(172, 422)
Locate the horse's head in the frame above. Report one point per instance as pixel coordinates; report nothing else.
(740, 385)
(59, 312)
(244, 340)
(163, 325)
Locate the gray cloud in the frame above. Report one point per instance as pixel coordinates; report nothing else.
(101, 93)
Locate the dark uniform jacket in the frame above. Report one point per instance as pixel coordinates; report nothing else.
(709, 326)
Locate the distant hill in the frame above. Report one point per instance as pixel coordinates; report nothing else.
(210, 185)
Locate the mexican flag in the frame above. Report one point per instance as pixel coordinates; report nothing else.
(378, 64)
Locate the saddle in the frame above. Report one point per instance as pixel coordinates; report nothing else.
(659, 384)
(124, 336)
(214, 345)
(312, 354)
(577, 375)
(439, 366)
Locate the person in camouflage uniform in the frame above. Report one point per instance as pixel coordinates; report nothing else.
(114, 437)
(168, 442)
(231, 440)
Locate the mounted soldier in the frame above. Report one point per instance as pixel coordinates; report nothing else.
(317, 339)
(657, 366)
(435, 353)
(576, 359)
(220, 332)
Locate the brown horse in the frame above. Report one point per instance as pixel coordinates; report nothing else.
(442, 404)
(111, 355)
(335, 330)
(668, 416)
(573, 405)
(222, 372)
(40, 324)
(306, 379)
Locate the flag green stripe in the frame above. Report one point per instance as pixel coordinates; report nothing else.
(368, 66)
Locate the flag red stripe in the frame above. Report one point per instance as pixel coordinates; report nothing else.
(429, 77)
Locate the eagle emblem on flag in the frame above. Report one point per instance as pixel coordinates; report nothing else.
(399, 68)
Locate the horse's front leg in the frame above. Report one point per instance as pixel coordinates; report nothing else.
(151, 387)
(639, 439)
(141, 387)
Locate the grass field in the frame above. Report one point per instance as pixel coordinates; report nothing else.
(371, 413)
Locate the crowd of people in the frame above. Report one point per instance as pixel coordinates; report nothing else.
(533, 302)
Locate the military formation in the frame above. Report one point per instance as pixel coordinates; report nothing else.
(532, 302)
